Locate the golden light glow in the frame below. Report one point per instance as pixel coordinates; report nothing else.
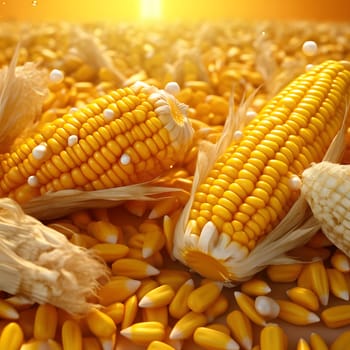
(150, 9)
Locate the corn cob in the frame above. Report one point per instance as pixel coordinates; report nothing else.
(126, 137)
(233, 224)
(41, 264)
(326, 188)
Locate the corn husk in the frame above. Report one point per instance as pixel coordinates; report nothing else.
(57, 204)
(40, 264)
(296, 228)
(326, 187)
(23, 90)
(90, 49)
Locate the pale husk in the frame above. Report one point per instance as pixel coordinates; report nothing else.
(326, 187)
(23, 90)
(297, 227)
(90, 49)
(40, 264)
(57, 204)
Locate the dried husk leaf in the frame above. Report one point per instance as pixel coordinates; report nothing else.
(57, 204)
(23, 90)
(90, 49)
(40, 264)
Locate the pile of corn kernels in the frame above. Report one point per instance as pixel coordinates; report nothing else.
(152, 302)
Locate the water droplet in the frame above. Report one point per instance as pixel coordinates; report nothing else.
(3, 3)
(34, 3)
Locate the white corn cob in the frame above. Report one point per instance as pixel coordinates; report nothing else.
(326, 187)
(41, 264)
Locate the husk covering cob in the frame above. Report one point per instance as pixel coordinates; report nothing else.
(240, 216)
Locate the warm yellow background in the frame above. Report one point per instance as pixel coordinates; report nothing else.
(112, 10)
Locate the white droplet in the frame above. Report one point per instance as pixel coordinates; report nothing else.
(308, 67)
(237, 135)
(310, 48)
(39, 151)
(73, 110)
(295, 183)
(72, 140)
(56, 76)
(125, 159)
(250, 115)
(35, 3)
(108, 114)
(33, 181)
(172, 87)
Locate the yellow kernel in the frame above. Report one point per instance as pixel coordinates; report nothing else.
(11, 337)
(209, 338)
(100, 324)
(202, 297)
(255, 287)
(304, 297)
(45, 322)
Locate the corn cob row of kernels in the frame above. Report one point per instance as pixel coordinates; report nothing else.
(126, 137)
(250, 185)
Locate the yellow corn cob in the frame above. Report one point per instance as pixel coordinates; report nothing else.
(128, 136)
(304, 297)
(296, 314)
(336, 316)
(326, 187)
(273, 337)
(143, 333)
(178, 306)
(204, 296)
(317, 342)
(160, 296)
(11, 337)
(45, 323)
(241, 328)
(100, 324)
(341, 342)
(243, 191)
(209, 338)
